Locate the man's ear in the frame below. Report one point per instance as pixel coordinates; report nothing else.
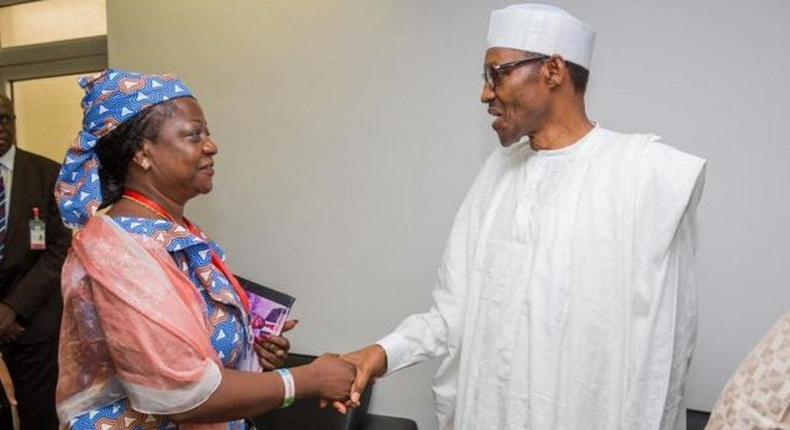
(556, 69)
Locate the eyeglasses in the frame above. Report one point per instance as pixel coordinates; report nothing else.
(492, 72)
(7, 119)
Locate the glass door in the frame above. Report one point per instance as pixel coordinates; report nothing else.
(48, 114)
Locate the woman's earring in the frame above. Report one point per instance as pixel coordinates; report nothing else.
(145, 165)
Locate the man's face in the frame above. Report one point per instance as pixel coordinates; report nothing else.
(7, 125)
(519, 100)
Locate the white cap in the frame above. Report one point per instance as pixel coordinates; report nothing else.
(542, 29)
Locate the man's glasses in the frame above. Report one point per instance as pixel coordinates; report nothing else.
(492, 72)
(7, 119)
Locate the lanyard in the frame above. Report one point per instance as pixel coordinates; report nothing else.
(215, 260)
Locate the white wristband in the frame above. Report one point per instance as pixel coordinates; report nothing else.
(290, 387)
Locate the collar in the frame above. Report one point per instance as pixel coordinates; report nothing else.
(173, 236)
(7, 160)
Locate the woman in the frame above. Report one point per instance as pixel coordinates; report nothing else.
(156, 329)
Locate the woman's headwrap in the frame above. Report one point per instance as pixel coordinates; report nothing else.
(112, 97)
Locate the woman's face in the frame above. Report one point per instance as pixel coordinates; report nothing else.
(181, 156)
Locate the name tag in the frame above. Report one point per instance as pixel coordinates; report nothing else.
(38, 235)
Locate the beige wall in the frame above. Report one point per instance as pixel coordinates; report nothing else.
(349, 131)
(48, 114)
(51, 20)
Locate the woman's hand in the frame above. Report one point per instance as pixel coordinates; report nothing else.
(273, 350)
(333, 377)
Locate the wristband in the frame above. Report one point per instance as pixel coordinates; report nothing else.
(290, 387)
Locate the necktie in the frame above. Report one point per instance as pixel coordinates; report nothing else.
(2, 217)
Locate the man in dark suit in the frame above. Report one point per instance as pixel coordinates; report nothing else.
(30, 301)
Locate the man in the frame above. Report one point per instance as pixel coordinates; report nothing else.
(30, 303)
(566, 298)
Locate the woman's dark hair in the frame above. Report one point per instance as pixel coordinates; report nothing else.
(116, 149)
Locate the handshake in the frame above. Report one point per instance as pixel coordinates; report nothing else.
(333, 378)
(341, 379)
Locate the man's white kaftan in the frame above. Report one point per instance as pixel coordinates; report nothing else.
(566, 298)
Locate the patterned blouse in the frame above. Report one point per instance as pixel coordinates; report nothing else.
(192, 254)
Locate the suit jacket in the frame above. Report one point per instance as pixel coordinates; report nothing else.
(30, 280)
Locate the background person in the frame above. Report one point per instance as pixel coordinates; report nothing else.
(30, 301)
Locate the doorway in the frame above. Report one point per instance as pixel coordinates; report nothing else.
(48, 114)
(44, 49)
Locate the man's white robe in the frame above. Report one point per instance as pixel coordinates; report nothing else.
(566, 298)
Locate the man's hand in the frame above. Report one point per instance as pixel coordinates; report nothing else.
(8, 331)
(273, 350)
(370, 362)
(12, 334)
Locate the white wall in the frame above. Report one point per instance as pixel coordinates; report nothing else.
(350, 130)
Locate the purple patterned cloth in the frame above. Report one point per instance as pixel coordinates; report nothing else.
(111, 98)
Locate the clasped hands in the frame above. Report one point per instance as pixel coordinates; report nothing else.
(342, 378)
(368, 363)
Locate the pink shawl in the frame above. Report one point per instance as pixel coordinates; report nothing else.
(133, 326)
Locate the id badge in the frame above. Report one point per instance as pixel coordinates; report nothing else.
(38, 235)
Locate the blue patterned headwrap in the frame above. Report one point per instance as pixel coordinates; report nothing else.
(112, 97)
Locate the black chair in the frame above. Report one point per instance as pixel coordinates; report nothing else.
(381, 422)
(306, 415)
(696, 420)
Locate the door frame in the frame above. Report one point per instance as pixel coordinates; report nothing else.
(46, 60)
